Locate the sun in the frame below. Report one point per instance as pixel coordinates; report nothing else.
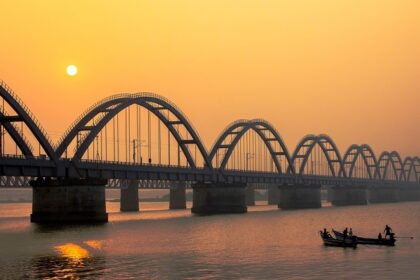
(71, 70)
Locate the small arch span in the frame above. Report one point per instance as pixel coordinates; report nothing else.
(411, 167)
(391, 160)
(307, 146)
(229, 138)
(364, 154)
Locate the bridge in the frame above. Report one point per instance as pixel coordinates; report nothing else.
(143, 138)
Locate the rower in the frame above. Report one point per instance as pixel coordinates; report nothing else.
(388, 231)
(345, 233)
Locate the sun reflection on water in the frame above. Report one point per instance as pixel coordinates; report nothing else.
(72, 251)
(71, 261)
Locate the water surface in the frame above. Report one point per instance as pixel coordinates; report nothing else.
(265, 243)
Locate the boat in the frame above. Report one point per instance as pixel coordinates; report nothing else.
(368, 241)
(331, 241)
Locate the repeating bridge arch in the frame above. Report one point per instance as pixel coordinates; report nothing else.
(411, 167)
(230, 137)
(23, 115)
(107, 109)
(391, 160)
(365, 152)
(20, 127)
(306, 147)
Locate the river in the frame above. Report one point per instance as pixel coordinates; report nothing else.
(265, 243)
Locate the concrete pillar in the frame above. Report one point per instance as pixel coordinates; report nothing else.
(383, 194)
(348, 195)
(409, 193)
(250, 195)
(300, 196)
(129, 201)
(219, 198)
(273, 194)
(177, 196)
(68, 201)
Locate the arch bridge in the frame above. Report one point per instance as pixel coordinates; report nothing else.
(146, 137)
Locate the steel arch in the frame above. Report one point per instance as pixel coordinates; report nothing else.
(366, 152)
(411, 165)
(310, 141)
(111, 106)
(25, 115)
(396, 163)
(238, 129)
(417, 167)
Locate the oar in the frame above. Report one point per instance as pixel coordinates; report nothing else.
(410, 237)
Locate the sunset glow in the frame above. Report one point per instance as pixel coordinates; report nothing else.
(345, 68)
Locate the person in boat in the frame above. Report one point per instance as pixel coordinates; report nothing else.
(388, 231)
(380, 236)
(345, 232)
(326, 234)
(351, 232)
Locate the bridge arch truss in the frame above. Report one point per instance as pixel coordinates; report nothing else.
(411, 167)
(391, 161)
(97, 116)
(359, 158)
(307, 147)
(20, 113)
(229, 138)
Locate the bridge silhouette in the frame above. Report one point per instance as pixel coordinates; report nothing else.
(143, 137)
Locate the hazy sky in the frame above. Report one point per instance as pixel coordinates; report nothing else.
(349, 69)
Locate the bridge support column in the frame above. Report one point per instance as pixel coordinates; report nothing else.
(300, 196)
(219, 198)
(348, 195)
(177, 196)
(383, 194)
(129, 201)
(68, 201)
(273, 194)
(409, 193)
(250, 195)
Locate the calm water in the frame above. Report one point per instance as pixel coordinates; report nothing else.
(266, 243)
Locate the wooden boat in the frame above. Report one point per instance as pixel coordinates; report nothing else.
(367, 241)
(331, 241)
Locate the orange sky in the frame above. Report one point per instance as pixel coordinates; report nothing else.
(349, 69)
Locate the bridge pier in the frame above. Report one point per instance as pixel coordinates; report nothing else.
(348, 195)
(383, 194)
(177, 196)
(300, 196)
(409, 193)
(273, 194)
(219, 198)
(250, 195)
(129, 201)
(68, 201)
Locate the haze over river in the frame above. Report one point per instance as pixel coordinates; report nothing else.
(266, 243)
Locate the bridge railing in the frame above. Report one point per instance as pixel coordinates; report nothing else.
(11, 156)
(92, 161)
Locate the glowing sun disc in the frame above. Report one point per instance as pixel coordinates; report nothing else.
(71, 70)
